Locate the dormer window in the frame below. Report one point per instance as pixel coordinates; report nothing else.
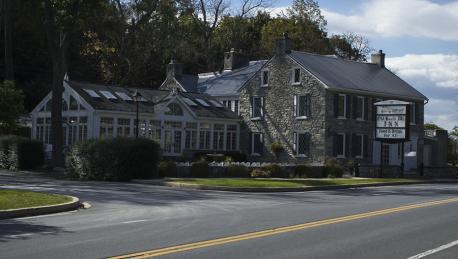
(296, 76)
(174, 110)
(265, 78)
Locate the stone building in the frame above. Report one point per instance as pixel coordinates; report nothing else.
(316, 106)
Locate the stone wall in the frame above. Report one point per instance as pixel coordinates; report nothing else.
(279, 121)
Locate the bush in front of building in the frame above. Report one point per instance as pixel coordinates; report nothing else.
(275, 170)
(277, 148)
(116, 159)
(20, 153)
(237, 171)
(167, 168)
(332, 168)
(200, 169)
(302, 171)
(260, 173)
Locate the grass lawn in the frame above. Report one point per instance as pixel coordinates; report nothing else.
(247, 182)
(16, 199)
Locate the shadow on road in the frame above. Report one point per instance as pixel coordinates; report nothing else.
(20, 230)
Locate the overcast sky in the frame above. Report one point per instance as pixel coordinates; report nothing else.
(419, 37)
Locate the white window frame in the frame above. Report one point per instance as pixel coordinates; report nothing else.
(361, 155)
(293, 76)
(345, 106)
(363, 112)
(252, 142)
(343, 155)
(265, 84)
(296, 143)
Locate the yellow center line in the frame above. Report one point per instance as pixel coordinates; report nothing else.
(275, 231)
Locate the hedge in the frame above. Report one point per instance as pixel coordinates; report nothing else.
(116, 159)
(21, 153)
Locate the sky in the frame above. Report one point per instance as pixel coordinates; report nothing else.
(419, 37)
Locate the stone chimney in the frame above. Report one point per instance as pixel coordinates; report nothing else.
(284, 45)
(378, 58)
(234, 60)
(174, 68)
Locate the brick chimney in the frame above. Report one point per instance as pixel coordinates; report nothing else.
(234, 60)
(174, 68)
(284, 45)
(378, 58)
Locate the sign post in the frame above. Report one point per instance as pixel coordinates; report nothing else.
(392, 126)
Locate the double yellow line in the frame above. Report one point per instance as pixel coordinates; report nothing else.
(275, 231)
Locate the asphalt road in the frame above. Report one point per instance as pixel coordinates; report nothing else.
(127, 218)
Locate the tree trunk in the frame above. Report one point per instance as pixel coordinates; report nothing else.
(9, 69)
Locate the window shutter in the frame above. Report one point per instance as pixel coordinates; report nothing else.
(261, 139)
(353, 145)
(355, 106)
(347, 144)
(348, 104)
(336, 105)
(365, 146)
(417, 113)
(295, 105)
(336, 144)
(295, 142)
(262, 106)
(308, 138)
(366, 108)
(309, 105)
(252, 107)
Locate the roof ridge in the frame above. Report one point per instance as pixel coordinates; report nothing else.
(334, 57)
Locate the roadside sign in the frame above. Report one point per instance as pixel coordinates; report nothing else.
(392, 118)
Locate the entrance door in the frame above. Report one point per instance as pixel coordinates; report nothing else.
(172, 142)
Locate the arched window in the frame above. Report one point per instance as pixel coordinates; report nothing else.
(174, 109)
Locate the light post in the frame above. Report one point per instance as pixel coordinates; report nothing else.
(137, 97)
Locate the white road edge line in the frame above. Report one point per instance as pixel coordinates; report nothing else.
(435, 250)
(134, 221)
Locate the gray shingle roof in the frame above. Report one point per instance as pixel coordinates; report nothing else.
(342, 74)
(228, 82)
(153, 97)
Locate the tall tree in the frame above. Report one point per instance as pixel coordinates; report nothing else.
(11, 106)
(8, 39)
(351, 46)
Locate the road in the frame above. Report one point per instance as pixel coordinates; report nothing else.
(127, 218)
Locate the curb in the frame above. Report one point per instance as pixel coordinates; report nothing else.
(284, 189)
(41, 210)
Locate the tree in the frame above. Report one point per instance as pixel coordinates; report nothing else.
(351, 46)
(250, 6)
(11, 106)
(431, 126)
(8, 38)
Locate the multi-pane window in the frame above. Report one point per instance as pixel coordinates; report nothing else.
(218, 136)
(257, 105)
(73, 104)
(358, 145)
(204, 136)
(156, 130)
(123, 127)
(359, 108)
(341, 106)
(191, 135)
(106, 127)
(82, 128)
(236, 106)
(231, 137)
(341, 145)
(174, 109)
(302, 106)
(72, 130)
(256, 143)
(301, 143)
(265, 78)
(296, 76)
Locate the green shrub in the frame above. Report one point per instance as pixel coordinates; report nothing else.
(332, 168)
(167, 169)
(116, 159)
(277, 148)
(20, 153)
(275, 170)
(302, 171)
(259, 173)
(237, 171)
(200, 169)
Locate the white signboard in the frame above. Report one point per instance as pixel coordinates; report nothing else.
(390, 133)
(391, 110)
(391, 121)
